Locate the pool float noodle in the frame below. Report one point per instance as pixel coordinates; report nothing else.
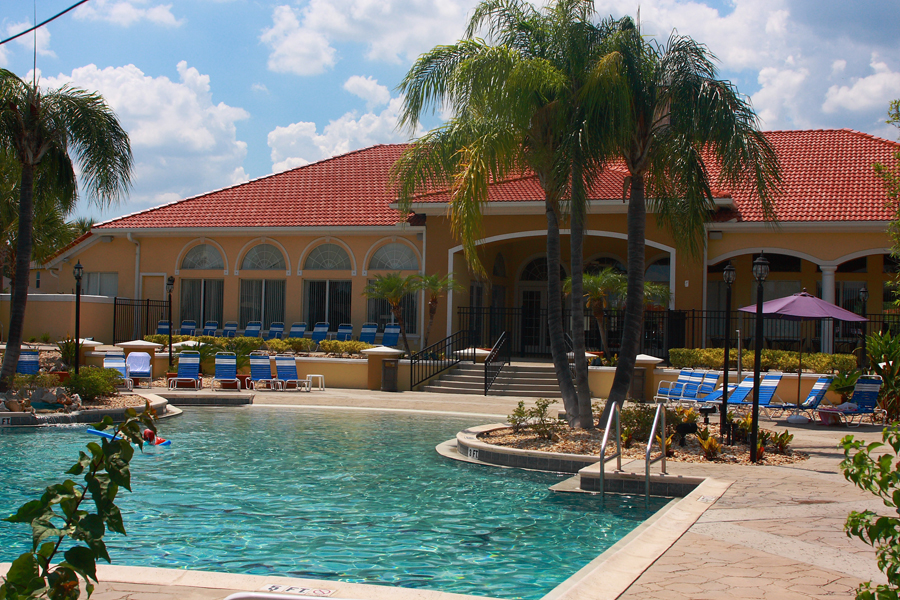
(110, 436)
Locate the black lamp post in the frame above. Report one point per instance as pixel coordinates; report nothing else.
(170, 285)
(864, 298)
(78, 272)
(729, 275)
(760, 272)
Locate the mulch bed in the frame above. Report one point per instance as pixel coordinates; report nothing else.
(580, 441)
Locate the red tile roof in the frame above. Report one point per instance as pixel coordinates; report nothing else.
(828, 177)
(350, 190)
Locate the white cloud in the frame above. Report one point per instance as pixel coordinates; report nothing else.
(183, 143)
(300, 143)
(369, 90)
(4, 59)
(296, 49)
(778, 96)
(28, 40)
(128, 12)
(873, 91)
(303, 40)
(259, 87)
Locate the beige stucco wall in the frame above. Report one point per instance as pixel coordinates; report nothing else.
(54, 314)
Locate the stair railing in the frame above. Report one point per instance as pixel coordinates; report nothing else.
(658, 418)
(495, 361)
(614, 413)
(439, 357)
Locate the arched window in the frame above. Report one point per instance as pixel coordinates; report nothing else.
(328, 257)
(499, 266)
(598, 264)
(264, 257)
(394, 257)
(658, 271)
(204, 256)
(536, 270)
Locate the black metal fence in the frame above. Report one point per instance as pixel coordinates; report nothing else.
(666, 329)
(495, 361)
(439, 357)
(133, 319)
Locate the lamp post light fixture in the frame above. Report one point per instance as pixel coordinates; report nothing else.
(170, 285)
(78, 272)
(729, 275)
(760, 272)
(864, 298)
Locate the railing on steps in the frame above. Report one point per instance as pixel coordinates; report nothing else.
(615, 412)
(439, 357)
(659, 417)
(493, 364)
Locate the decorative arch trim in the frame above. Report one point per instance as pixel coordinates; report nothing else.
(808, 257)
(326, 240)
(390, 240)
(256, 242)
(196, 242)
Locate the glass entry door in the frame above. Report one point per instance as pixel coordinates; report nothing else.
(534, 321)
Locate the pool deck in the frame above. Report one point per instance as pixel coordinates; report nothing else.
(774, 533)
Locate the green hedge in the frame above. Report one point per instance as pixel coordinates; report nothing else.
(774, 360)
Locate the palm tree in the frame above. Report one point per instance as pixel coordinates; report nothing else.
(393, 288)
(435, 286)
(600, 289)
(518, 105)
(41, 128)
(680, 117)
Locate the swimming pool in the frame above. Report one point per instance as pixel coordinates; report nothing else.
(327, 495)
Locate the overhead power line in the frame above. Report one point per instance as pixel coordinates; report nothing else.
(54, 17)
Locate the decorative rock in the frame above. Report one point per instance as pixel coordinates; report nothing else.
(61, 395)
(76, 399)
(14, 406)
(49, 397)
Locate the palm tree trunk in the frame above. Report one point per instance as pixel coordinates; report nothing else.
(432, 310)
(634, 299)
(554, 317)
(19, 295)
(576, 244)
(599, 316)
(398, 314)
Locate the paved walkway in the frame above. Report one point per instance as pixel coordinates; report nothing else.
(777, 532)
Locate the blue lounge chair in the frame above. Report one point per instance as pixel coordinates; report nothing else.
(298, 330)
(767, 388)
(253, 329)
(29, 362)
(188, 370)
(391, 335)
(672, 389)
(117, 362)
(815, 397)
(276, 331)
(367, 333)
(188, 327)
(320, 331)
(261, 373)
(163, 328)
(139, 367)
(226, 369)
(230, 329)
(344, 332)
(736, 393)
(694, 392)
(865, 397)
(211, 328)
(286, 367)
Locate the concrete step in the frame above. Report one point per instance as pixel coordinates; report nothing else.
(439, 389)
(498, 386)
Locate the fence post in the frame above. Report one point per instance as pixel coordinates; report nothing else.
(115, 319)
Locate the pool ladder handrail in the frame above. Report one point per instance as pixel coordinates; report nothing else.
(659, 417)
(618, 455)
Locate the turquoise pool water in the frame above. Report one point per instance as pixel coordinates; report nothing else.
(324, 495)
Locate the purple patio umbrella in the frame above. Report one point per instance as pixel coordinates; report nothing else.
(803, 307)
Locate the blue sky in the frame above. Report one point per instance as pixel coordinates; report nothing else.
(214, 92)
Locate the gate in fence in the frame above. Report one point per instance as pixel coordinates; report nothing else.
(133, 319)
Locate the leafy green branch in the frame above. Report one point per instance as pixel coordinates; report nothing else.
(872, 469)
(106, 469)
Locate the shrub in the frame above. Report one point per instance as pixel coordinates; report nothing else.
(781, 441)
(639, 419)
(300, 344)
(541, 422)
(33, 382)
(164, 339)
(278, 346)
(93, 382)
(519, 417)
(340, 347)
(777, 360)
(710, 447)
(667, 445)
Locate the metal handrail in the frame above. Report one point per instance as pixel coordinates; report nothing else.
(618, 455)
(494, 363)
(438, 357)
(659, 417)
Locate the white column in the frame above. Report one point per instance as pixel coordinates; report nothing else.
(828, 296)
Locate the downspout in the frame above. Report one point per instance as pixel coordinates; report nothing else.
(137, 265)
